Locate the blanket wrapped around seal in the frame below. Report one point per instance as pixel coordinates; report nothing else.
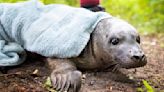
(50, 30)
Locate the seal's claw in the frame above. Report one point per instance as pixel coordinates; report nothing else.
(69, 81)
(53, 80)
(75, 80)
(67, 85)
(58, 81)
(64, 81)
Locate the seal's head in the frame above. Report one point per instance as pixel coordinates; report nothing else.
(117, 43)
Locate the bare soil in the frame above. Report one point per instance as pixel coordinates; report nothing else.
(31, 75)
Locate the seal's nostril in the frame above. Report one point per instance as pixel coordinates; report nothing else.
(142, 56)
(138, 57)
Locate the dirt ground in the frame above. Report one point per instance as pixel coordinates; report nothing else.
(31, 76)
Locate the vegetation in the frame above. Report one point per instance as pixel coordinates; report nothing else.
(146, 15)
(48, 85)
(147, 88)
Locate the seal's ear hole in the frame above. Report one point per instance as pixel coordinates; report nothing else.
(106, 36)
(114, 41)
(138, 39)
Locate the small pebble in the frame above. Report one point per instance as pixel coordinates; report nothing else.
(83, 76)
(131, 77)
(110, 88)
(92, 82)
(35, 72)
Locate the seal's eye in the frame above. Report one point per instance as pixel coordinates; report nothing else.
(138, 39)
(114, 41)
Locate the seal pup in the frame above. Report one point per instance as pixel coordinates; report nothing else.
(113, 43)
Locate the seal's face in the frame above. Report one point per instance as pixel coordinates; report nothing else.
(121, 44)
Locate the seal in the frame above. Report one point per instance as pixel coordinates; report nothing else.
(114, 43)
(40, 29)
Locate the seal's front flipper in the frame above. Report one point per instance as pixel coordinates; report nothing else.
(64, 76)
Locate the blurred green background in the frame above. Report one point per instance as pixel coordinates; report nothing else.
(146, 15)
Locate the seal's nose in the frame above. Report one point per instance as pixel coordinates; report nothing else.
(138, 57)
(137, 54)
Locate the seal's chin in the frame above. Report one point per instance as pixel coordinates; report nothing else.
(134, 64)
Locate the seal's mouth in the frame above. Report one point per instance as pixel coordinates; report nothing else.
(121, 62)
(126, 63)
(136, 63)
(114, 67)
